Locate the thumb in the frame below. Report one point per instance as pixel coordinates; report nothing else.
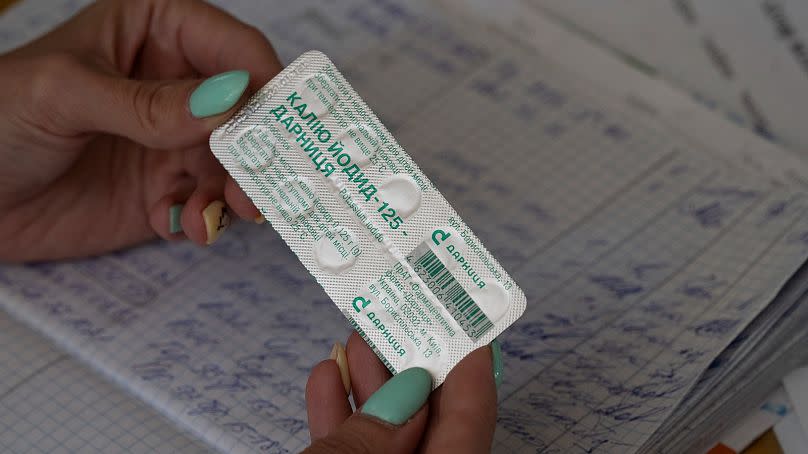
(392, 420)
(155, 113)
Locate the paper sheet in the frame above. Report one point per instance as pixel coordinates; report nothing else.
(644, 94)
(761, 419)
(796, 384)
(50, 403)
(745, 57)
(642, 256)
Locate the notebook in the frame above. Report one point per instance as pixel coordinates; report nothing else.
(658, 245)
(53, 403)
(751, 64)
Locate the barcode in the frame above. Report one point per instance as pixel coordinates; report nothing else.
(452, 295)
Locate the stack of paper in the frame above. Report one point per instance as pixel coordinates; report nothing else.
(745, 57)
(644, 254)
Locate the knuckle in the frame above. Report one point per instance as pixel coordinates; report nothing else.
(46, 74)
(253, 37)
(149, 105)
(255, 34)
(52, 77)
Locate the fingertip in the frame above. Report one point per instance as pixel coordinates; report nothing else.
(338, 354)
(239, 203)
(205, 217)
(192, 224)
(479, 364)
(496, 362)
(354, 337)
(468, 394)
(321, 374)
(472, 376)
(165, 218)
(327, 404)
(400, 398)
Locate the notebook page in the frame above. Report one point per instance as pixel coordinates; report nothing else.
(645, 95)
(49, 403)
(750, 62)
(651, 96)
(621, 240)
(642, 259)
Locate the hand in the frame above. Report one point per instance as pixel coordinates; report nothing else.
(104, 125)
(398, 415)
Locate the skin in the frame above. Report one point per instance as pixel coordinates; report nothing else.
(98, 142)
(96, 134)
(459, 416)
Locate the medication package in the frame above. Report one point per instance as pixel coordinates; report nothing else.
(388, 249)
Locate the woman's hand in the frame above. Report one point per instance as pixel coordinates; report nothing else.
(104, 124)
(398, 415)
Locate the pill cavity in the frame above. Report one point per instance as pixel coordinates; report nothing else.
(402, 193)
(432, 356)
(360, 144)
(336, 253)
(297, 197)
(492, 299)
(258, 148)
(308, 90)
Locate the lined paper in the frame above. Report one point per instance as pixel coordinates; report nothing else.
(641, 254)
(50, 403)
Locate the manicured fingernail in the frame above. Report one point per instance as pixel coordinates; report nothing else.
(401, 397)
(338, 355)
(260, 219)
(496, 360)
(216, 220)
(218, 94)
(174, 215)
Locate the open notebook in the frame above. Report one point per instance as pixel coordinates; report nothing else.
(747, 57)
(647, 247)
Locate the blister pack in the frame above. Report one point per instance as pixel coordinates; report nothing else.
(386, 246)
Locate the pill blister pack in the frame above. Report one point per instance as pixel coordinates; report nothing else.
(373, 230)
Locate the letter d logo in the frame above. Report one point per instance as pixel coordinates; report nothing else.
(360, 301)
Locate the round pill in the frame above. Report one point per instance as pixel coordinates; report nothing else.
(402, 193)
(360, 146)
(296, 197)
(334, 254)
(492, 299)
(257, 147)
(308, 89)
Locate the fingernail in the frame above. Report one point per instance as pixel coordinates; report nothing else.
(338, 355)
(216, 220)
(401, 397)
(218, 94)
(260, 219)
(496, 360)
(174, 215)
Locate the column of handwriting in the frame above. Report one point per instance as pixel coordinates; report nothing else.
(620, 345)
(234, 348)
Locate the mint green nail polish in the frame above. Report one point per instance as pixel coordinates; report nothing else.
(218, 94)
(174, 214)
(400, 397)
(496, 360)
